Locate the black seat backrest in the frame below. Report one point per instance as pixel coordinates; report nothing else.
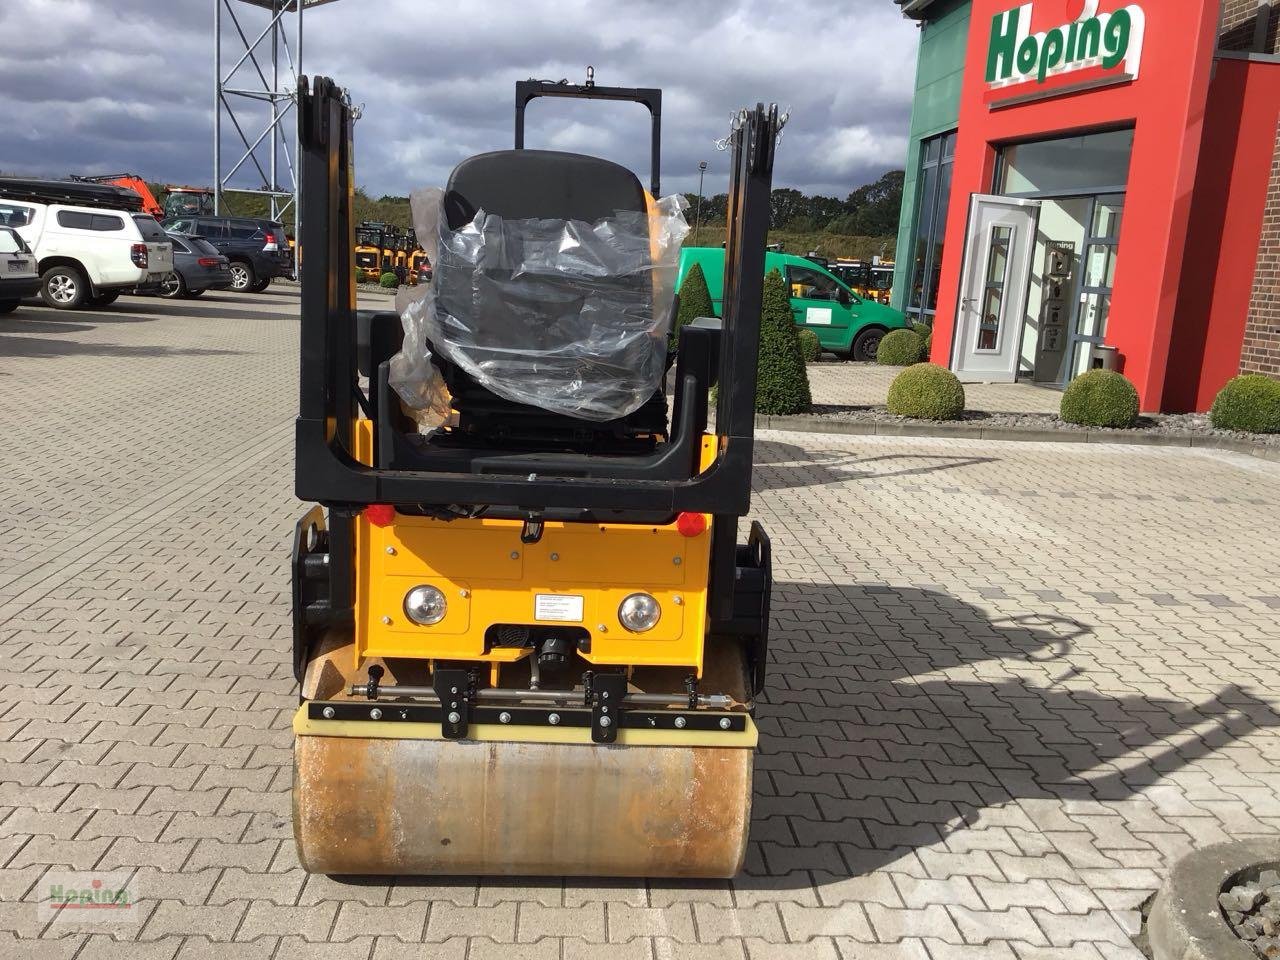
(540, 184)
(535, 185)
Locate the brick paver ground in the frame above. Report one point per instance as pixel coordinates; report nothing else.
(839, 383)
(1010, 683)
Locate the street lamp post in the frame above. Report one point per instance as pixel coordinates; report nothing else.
(697, 230)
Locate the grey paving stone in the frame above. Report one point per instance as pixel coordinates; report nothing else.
(313, 923)
(104, 947)
(214, 922)
(497, 922)
(625, 921)
(389, 948)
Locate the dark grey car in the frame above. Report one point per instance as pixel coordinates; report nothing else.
(258, 249)
(197, 266)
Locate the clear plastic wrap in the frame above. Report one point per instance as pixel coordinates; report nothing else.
(568, 316)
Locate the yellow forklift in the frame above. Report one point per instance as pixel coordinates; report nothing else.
(419, 265)
(388, 248)
(401, 243)
(368, 250)
(855, 273)
(880, 284)
(528, 641)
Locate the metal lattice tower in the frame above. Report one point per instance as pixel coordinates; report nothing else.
(257, 97)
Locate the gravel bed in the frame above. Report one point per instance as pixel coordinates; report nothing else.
(1253, 911)
(1179, 424)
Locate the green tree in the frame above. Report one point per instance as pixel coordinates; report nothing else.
(875, 207)
(785, 204)
(695, 301)
(782, 383)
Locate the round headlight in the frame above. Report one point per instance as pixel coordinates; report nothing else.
(425, 605)
(639, 612)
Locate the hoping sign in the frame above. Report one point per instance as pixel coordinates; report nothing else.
(1095, 49)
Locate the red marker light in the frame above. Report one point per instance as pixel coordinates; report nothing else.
(380, 514)
(691, 524)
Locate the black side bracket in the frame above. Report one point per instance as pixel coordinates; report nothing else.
(322, 580)
(453, 687)
(607, 693)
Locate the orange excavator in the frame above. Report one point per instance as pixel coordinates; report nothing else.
(176, 202)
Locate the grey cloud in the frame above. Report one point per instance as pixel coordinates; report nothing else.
(84, 92)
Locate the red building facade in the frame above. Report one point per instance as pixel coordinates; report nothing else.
(1114, 199)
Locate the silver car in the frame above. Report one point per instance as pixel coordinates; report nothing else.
(18, 276)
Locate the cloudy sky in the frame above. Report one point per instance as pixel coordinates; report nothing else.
(91, 91)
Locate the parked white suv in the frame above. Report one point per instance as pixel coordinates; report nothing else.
(90, 241)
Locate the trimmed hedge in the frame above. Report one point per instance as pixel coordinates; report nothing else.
(782, 383)
(1100, 398)
(899, 348)
(1250, 403)
(926, 343)
(926, 391)
(695, 301)
(389, 280)
(810, 346)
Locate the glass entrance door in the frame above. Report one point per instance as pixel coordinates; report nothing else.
(993, 288)
(1097, 279)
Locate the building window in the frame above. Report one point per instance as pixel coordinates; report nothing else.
(937, 156)
(1093, 163)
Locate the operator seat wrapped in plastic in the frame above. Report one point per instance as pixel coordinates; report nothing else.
(551, 299)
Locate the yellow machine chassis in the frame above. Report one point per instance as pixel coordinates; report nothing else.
(575, 576)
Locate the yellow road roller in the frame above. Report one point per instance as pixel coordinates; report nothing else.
(526, 634)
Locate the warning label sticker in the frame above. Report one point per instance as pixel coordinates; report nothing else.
(560, 607)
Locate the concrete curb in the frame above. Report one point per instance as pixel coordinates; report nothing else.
(365, 290)
(1186, 922)
(969, 431)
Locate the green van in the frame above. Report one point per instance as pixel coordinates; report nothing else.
(846, 324)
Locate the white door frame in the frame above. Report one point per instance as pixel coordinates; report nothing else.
(1023, 223)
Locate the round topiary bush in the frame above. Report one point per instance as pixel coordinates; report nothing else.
(899, 348)
(1250, 403)
(928, 392)
(810, 346)
(388, 280)
(1100, 398)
